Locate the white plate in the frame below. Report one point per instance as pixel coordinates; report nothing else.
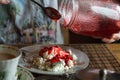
(34, 49)
(24, 74)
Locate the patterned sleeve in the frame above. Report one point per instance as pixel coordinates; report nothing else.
(36, 28)
(11, 18)
(43, 30)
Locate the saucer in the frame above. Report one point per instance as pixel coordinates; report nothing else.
(24, 74)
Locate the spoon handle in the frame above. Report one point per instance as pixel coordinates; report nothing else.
(102, 74)
(37, 4)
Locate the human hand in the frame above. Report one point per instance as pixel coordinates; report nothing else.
(115, 36)
(4, 1)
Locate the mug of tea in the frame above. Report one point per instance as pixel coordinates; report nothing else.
(9, 59)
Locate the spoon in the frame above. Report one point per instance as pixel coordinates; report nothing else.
(102, 74)
(49, 11)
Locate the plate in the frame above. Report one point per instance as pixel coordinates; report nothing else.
(33, 50)
(24, 74)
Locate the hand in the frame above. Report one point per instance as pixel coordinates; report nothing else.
(115, 36)
(4, 1)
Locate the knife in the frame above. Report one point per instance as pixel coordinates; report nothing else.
(104, 75)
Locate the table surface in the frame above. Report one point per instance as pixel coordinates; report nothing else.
(102, 56)
(115, 50)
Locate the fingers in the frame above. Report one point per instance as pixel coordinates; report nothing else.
(4, 1)
(114, 38)
(107, 40)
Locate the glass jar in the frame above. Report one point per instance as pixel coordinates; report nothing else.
(95, 18)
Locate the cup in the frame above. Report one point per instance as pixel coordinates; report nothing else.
(9, 59)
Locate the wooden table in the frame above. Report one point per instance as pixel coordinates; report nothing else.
(115, 49)
(102, 56)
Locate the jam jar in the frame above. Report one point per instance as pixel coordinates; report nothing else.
(95, 18)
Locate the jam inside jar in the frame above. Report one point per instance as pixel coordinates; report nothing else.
(93, 18)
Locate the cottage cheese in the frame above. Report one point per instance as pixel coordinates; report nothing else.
(54, 59)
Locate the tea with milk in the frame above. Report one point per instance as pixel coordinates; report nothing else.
(6, 56)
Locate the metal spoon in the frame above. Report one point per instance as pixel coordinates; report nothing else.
(103, 74)
(52, 13)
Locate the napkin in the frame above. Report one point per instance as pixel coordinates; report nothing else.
(93, 74)
(113, 76)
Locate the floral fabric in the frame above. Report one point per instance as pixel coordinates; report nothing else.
(18, 24)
